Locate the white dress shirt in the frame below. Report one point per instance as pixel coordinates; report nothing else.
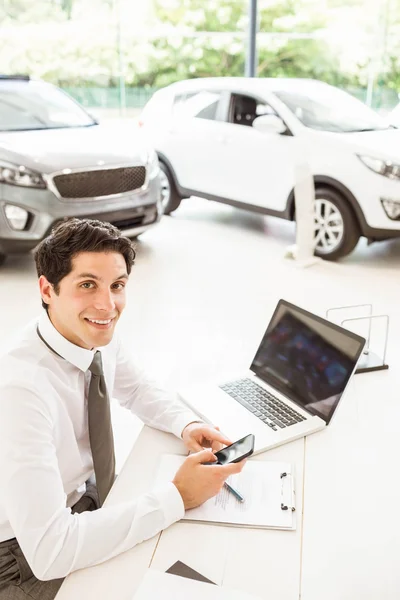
(45, 455)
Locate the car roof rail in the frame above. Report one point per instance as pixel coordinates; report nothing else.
(15, 77)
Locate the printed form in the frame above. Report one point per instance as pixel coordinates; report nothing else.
(260, 483)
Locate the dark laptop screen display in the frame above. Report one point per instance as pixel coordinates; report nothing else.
(307, 358)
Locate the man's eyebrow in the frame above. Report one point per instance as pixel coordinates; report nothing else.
(96, 278)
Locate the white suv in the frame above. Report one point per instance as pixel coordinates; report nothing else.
(238, 140)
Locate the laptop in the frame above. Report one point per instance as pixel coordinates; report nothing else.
(295, 383)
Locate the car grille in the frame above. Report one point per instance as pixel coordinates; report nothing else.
(106, 182)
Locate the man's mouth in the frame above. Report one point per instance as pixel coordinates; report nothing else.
(100, 323)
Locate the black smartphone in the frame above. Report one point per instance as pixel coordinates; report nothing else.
(236, 451)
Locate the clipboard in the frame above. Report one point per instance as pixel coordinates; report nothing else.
(268, 488)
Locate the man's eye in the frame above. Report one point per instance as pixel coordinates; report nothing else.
(118, 286)
(87, 285)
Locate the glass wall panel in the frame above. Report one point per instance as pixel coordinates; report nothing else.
(112, 55)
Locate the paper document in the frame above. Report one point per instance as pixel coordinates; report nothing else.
(260, 483)
(172, 587)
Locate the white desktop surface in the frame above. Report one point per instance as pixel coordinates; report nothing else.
(347, 542)
(351, 541)
(224, 554)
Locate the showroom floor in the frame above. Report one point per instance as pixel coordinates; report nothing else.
(203, 289)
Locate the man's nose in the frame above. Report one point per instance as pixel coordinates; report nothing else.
(105, 301)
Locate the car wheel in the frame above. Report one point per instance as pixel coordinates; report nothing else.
(336, 227)
(2, 258)
(170, 198)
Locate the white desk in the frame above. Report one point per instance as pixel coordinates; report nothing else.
(252, 559)
(348, 547)
(351, 542)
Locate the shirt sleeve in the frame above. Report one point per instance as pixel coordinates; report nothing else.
(54, 541)
(145, 398)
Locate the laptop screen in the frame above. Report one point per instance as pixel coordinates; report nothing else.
(308, 359)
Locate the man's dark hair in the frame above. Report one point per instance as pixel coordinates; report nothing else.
(53, 256)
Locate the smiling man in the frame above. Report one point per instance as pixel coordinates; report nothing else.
(57, 461)
(88, 309)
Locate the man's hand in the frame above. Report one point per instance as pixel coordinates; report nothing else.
(200, 435)
(197, 482)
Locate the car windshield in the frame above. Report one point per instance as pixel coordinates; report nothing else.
(329, 109)
(26, 105)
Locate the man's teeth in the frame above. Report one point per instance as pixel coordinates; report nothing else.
(100, 322)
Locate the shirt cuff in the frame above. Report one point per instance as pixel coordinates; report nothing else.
(183, 420)
(171, 502)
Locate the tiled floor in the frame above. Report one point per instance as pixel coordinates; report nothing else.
(205, 283)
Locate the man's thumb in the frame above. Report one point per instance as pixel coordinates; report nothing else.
(205, 456)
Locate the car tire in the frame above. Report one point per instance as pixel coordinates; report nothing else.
(338, 232)
(170, 198)
(2, 258)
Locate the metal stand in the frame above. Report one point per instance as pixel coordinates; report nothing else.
(369, 361)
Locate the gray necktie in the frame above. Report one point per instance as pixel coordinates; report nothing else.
(100, 429)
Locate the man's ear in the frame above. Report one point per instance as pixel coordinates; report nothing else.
(46, 289)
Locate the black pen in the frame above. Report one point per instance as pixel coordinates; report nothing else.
(232, 490)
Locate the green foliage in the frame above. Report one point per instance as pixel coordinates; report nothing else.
(209, 56)
(214, 15)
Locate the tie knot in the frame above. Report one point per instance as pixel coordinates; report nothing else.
(96, 366)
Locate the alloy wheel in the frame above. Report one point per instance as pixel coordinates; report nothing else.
(328, 226)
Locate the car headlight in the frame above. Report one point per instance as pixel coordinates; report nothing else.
(153, 165)
(380, 166)
(21, 176)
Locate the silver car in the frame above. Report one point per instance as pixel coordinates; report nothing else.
(57, 162)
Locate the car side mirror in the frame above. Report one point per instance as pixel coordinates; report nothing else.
(269, 124)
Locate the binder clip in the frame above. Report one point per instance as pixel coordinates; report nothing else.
(284, 504)
(369, 360)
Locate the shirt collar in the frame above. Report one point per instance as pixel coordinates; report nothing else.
(77, 356)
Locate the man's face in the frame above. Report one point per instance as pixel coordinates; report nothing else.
(93, 291)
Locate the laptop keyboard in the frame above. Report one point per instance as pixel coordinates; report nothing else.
(262, 404)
